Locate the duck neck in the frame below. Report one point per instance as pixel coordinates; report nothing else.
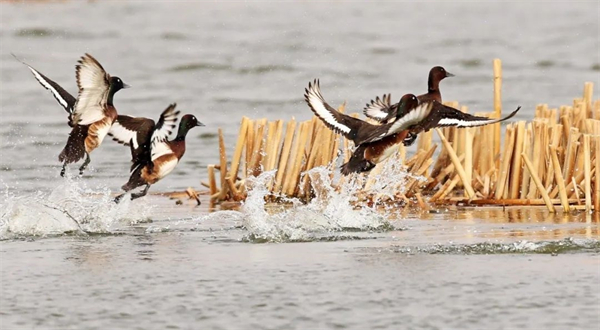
(182, 132)
(111, 93)
(433, 84)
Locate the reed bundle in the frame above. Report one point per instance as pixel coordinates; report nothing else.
(552, 160)
(290, 148)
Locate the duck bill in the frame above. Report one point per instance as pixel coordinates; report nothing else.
(126, 86)
(200, 124)
(448, 74)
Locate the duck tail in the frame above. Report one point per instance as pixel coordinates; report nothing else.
(135, 179)
(74, 150)
(357, 163)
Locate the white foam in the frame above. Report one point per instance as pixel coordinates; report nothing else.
(329, 213)
(70, 207)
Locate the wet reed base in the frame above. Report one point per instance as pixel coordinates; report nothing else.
(551, 161)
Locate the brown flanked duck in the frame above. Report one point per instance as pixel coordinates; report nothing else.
(157, 157)
(375, 143)
(383, 111)
(367, 155)
(91, 114)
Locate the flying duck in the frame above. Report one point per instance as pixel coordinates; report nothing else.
(153, 155)
(367, 155)
(91, 114)
(413, 116)
(381, 110)
(354, 129)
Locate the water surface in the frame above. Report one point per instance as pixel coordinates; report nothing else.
(70, 259)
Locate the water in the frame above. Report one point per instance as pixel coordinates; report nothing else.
(71, 259)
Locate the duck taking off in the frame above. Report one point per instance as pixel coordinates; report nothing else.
(374, 142)
(157, 156)
(383, 111)
(91, 114)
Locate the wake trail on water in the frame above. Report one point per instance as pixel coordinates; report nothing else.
(71, 207)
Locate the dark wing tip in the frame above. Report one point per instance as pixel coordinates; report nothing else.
(16, 58)
(512, 114)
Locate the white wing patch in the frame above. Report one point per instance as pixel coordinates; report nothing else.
(375, 112)
(123, 135)
(376, 109)
(466, 123)
(93, 85)
(316, 102)
(413, 117)
(167, 119)
(160, 148)
(49, 87)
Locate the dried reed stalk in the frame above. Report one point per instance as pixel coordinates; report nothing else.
(223, 168)
(285, 154)
(538, 183)
(560, 181)
(587, 172)
(239, 147)
(497, 64)
(459, 168)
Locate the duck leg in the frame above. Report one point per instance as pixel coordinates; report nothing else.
(63, 170)
(86, 162)
(141, 194)
(118, 198)
(410, 139)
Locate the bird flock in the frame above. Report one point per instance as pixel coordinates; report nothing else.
(92, 116)
(396, 123)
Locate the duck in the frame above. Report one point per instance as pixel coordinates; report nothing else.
(91, 114)
(374, 141)
(124, 130)
(367, 155)
(381, 109)
(354, 129)
(153, 155)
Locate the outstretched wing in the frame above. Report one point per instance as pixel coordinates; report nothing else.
(166, 123)
(381, 109)
(127, 130)
(412, 117)
(66, 100)
(159, 145)
(442, 115)
(93, 83)
(338, 122)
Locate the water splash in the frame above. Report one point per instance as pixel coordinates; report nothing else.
(326, 217)
(71, 207)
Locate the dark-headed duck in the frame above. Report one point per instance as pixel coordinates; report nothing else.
(154, 160)
(367, 155)
(354, 129)
(91, 114)
(414, 117)
(383, 112)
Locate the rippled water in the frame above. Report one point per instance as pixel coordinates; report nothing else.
(72, 259)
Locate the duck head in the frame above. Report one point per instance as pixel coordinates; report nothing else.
(406, 104)
(116, 84)
(437, 74)
(187, 122)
